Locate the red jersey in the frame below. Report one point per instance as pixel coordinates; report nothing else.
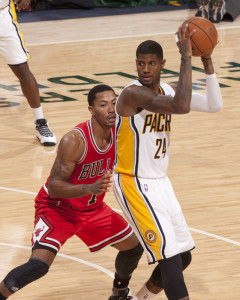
(92, 166)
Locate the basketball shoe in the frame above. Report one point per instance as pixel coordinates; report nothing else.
(203, 8)
(44, 134)
(120, 294)
(217, 11)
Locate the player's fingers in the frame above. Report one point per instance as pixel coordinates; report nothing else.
(191, 33)
(107, 183)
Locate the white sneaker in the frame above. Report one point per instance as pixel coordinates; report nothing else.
(44, 134)
(218, 10)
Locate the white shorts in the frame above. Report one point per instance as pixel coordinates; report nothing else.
(12, 45)
(154, 213)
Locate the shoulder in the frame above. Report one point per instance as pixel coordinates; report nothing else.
(72, 145)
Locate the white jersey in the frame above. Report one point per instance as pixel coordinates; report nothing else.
(142, 141)
(4, 3)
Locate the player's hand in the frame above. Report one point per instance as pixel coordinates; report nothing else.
(102, 185)
(21, 4)
(183, 40)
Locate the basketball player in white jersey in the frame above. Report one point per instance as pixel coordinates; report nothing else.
(141, 185)
(13, 49)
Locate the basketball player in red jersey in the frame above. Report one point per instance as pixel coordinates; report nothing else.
(71, 201)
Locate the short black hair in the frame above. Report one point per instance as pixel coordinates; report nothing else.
(97, 89)
(150, 47)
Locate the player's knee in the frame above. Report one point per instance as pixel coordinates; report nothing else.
(156, 277)
(25, 274)
(127, 261)
(172, 278)
(186, 259)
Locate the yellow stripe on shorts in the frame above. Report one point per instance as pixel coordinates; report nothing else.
(141, 214)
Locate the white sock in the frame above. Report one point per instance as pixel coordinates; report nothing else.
(38, 113)
(144, 294)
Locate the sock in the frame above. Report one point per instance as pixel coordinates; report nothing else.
(144, 294)
(2, 297)
(38, 113)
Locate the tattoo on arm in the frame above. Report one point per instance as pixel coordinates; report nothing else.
(59, 170)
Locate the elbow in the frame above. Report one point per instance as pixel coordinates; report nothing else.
(184, 109)
(51, 190)
(181, 105)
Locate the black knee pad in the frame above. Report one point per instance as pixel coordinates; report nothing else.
(25, 274)
(156, 277)
(186, 259)
(172, 278)
(127, 261)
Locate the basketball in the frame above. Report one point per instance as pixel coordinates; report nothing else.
(205, 37)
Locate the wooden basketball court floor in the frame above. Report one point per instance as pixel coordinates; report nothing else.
(68, 58)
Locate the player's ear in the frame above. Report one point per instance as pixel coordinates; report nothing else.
(163, 63)
(90, 108)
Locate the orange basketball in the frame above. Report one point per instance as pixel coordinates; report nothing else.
(205, 37)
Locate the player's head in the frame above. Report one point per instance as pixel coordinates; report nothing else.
(150, 47)
(102, 100)
(149, 63)
(97, 89)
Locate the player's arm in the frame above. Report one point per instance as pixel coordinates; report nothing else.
(135, 97)
(71, 149)
(212, 101)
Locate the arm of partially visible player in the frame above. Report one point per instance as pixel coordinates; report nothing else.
(71, 149)
(212, 101)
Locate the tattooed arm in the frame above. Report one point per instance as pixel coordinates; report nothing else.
(134, 97)
(70, 150)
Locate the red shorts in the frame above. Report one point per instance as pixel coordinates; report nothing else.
(97, 228)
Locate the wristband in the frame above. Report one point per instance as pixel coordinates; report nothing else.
(205, 59)
(186, 57)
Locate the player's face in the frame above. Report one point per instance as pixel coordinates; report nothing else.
(149, 68)
(103, 108)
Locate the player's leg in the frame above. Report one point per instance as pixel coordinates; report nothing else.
(112, 229)
(31, 92)
(130, 252)
(36, 267)
(51, 230)
(28, 84)
(162, 232)
(16, 55)
(155, 283)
